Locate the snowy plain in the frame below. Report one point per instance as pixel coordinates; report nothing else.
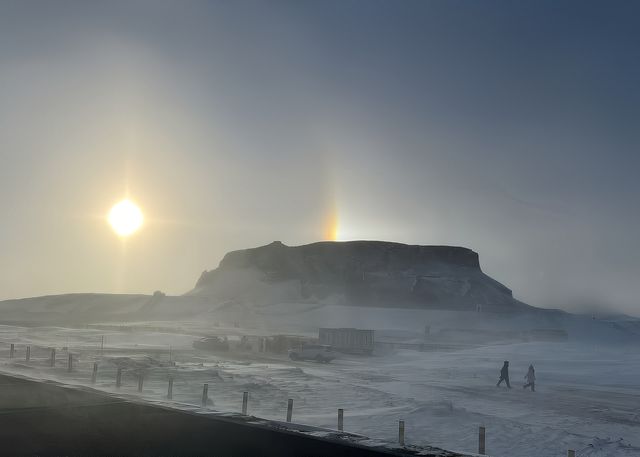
(587, 395)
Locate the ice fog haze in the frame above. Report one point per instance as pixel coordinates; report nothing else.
(508, 128)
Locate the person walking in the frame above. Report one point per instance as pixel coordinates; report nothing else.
(531, 379)
(504, 374)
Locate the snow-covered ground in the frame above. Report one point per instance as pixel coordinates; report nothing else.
(587, 395)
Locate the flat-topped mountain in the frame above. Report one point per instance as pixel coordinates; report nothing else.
(364, 273)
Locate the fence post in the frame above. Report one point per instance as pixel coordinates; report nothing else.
(140, 382)
(70, 365)
(170, 389)
(205, 395)
(245, 400)
(401, 432)
(571, 453)
(53, 357)
(289, 409)
(94, 373)
(119, 378)
(12, 350)
(340, 419)
(28, 356)
(481, 440)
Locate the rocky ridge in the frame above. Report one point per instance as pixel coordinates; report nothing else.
(363, 273)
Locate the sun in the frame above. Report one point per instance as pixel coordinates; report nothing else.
(125, 218)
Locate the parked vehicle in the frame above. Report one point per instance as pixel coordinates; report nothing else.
(318, 352)
(212, 343)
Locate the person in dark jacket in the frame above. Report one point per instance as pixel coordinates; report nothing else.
(504, 374)
(531, 379)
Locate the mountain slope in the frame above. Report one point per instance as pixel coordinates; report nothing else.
(363, 273)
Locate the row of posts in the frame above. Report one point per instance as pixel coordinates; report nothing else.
(245, 399)
(205, 395)
(52, 358)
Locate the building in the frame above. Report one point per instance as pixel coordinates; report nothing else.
(348, 340)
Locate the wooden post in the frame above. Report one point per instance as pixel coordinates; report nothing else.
(481, 441)
(245, 401)
(28, 356)
(52, 362)
(289, 409)
(70, 365)
(94, 373)
(571, 453)
(401, 433)
(205, 395)
(12, 350)
(170, 389)
(340, 419)
(119, 378)
(140, 382)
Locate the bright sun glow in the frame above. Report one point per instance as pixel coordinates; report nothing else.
(125, 218)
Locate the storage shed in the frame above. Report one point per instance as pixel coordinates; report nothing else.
(348, 340)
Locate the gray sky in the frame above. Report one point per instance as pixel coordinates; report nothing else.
(511, 128)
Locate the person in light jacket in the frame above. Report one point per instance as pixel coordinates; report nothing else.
(531, 379)
(504, 374)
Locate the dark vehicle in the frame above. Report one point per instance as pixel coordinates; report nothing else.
(212, 343)
(317, 352)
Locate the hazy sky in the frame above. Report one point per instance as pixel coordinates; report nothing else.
(512, 128)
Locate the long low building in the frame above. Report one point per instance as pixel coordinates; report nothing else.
(348, 340)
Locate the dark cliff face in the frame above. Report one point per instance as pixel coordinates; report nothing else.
(367, 273)
(371, 255)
